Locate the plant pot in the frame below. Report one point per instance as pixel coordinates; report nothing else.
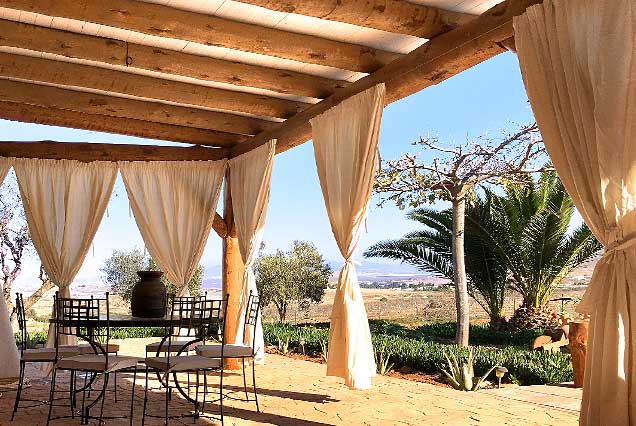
(149, 296)
(578, 349)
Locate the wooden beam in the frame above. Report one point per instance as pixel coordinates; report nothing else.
(433, 62)
(219, 226)
(70, 74)
(123, 126)
(113, 52)
(164, 21)
(54, 97)
(87, 152)
(396, 16)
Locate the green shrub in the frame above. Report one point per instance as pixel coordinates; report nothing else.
(526, 367)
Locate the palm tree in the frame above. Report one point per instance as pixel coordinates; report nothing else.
(431, 250)
(534, 237)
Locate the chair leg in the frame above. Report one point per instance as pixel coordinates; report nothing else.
(101, 409)
(143, 415)
(19, 392)
(71, 393)
(115, 380)
(221, 391)
(247, 398)
(205, 390)
(132, 397)
(254, 383)
(167, 398)
(84, 420)
(51, 396)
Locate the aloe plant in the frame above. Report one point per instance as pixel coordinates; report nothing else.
(382, 359)
(324, 350)
(463, 377)
(283, 345)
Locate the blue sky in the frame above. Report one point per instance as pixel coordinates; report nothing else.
(488, 98)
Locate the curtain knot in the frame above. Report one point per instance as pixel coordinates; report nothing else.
(616, 241)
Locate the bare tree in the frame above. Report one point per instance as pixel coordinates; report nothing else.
(451, 175)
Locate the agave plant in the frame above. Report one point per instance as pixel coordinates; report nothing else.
(383, 362)
(430, 250)
(462, 377)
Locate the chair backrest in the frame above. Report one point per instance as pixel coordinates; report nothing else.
(23, 334)
(196, 317)
(87, 318)
(252, 314)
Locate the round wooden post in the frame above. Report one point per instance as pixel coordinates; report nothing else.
(578, 347)
(232, 275)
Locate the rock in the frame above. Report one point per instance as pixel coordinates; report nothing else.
(406, 370)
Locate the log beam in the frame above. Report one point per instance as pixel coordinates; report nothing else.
(430, 64)
(219, 225)
(164, 21)
(233, 269)
(55, 97)
(87, 152)
(124, 126)
(396, 16)
(113, 52)
(126, 83)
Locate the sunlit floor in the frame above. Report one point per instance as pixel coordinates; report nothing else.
(293, 392)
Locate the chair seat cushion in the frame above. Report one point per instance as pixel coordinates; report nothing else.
(93, 362)
(48, 354)
(175, 346)
(229, 351)
(86, 349)
(182, 363)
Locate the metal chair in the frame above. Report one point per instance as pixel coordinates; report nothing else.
(88, 319)
(198, 319)
(41, 355)
(239, 351)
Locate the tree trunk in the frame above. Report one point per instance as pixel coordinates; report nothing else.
(459, 271)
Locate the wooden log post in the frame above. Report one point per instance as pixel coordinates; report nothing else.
(233, 269)
(578, 349)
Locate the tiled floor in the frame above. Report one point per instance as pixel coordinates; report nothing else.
(294, 392)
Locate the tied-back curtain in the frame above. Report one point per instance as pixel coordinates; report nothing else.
(10, 365)
(346, 151)
(250, 176)
(578, 60)
(174, 203)
(64, 202)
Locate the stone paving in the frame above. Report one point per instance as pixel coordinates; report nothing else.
(297, 393)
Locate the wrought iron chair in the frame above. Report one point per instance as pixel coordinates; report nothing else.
(88, 319)
(200, 320)
(40, 355)
(240, 351)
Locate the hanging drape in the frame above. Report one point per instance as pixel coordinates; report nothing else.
(346, 151)
(577, 59)
(10, 365)
(174, 203)
(64, 202)
(250, 176)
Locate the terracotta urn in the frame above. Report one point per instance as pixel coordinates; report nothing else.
(149, 296)
(578, 348)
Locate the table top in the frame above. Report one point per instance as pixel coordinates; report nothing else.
(118, 321)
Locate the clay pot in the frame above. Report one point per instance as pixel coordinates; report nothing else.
(149, 296)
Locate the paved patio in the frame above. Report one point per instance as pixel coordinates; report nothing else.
(297, 393)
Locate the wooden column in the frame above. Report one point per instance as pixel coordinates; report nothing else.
(578, 349)
(232, 271)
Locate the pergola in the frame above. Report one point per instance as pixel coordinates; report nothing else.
(229, 78)
(220, 76)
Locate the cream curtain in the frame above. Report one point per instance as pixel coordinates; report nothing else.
(10, 365)
(250, 176)
(577, 59)
(346, 150)
(174, 203)
(64, 202)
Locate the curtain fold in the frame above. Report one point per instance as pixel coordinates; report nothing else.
(577, 59)
(64, 202)
(174, 203)
(10, 365)
(250, 176)
(345, 142)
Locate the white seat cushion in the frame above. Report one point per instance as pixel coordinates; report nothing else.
(48, 354)
(229, 351)
(182, 363)
(175, 346)
(86, 349)
(98, 363)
